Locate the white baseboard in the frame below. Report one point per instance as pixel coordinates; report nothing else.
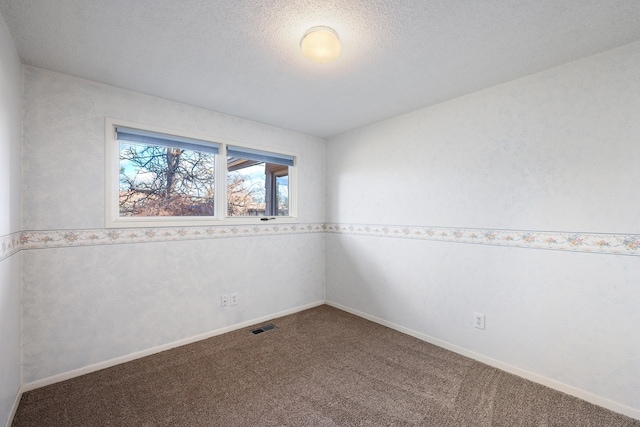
(14, 408)
(137, 355)
(556, 385)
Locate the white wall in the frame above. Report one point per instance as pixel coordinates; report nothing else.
(85, 305)
(10, 217)
(555, 151)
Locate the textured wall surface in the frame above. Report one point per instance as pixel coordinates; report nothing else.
(88, 305)
(10, 217)
(554, 152)
(85, 305)
(64, 122)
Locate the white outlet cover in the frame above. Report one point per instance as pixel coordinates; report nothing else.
(478, 320)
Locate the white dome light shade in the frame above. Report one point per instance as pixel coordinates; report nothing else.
(321, 45)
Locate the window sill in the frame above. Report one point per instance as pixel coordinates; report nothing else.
(158, 222)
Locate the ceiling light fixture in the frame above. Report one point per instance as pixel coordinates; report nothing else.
(320, 44)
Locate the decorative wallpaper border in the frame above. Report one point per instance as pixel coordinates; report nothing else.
(616, 244)
(113, 236)
(9, 245)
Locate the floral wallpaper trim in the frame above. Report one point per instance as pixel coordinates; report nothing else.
(9, 245)
(618, 244)
(113, 236)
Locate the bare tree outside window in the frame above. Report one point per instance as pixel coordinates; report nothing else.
(257, 188)
(160, 181)
(240, 195)
(160, 178)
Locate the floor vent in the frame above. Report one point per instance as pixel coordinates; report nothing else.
(264, 329)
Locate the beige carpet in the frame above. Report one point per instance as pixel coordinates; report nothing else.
(320, 367)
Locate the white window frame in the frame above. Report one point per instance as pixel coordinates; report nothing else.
(112, 183)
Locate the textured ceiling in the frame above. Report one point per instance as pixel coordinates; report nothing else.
(242, 57)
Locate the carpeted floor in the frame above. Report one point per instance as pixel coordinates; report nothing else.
(320, 367)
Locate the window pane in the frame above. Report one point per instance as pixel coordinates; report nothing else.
(256, 188)
(282, 195)
(163, 181)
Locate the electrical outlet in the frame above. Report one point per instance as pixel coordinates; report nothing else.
(478, 320)
(224, 301)
(233, 299)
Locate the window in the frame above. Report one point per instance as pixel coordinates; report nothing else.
(257, 183)
(163, 175)
(157, 177)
